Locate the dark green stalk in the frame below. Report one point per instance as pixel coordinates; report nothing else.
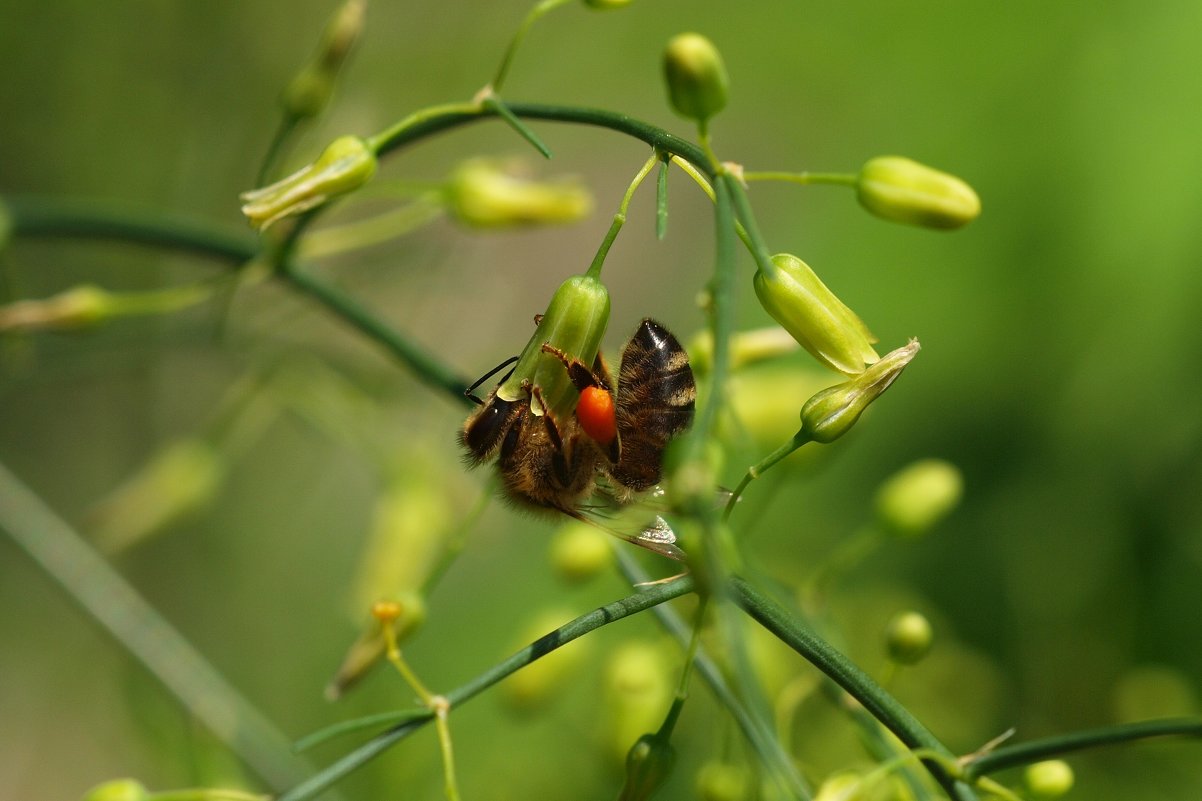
(426, 366)
(640, 601)
(1025, 753)
(35, 217)
(880, 704)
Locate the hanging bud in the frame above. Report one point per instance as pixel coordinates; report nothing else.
(905, 191)
(842, 786)
(648, 765)
(580, 552)
(80, 307)
(697, 82)
(638, 689)
(723, 781)
(483, 193)
(118, 790)
(602, 5)
(345, 165)
(811, 313)
(833, 411)
(310, 91)
(908, 637)
(912, 501)
(1049, 779)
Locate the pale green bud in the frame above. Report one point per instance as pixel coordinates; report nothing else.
(118, 790)
(746, 348)
(638, 690)
(908, 637)
(1049, 779)
(579, 552)
(832, 412)
(912, 501)
(723, 781)
(843, 786)
(345, 165)
(648, 765)
(602, 5)
(811, 313)
(309, 92)
(697, 82)
(80, 307)
(905, 191)
(483, 193)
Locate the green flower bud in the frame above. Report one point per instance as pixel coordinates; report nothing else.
(843, 786)
(80, 307)
(574, 322)
(762, 407)
(1049, 779)
(638, 689)
(697, 82)
(908, 637)
(746, 348)
(811, 313)
(345, 165)
(118, 790)
(481, 193)
(310, 91)
(912, 501)
(602, 5)
(722, 781)
(580, 552)
(648, 765)
(905, 191)
(832, 412)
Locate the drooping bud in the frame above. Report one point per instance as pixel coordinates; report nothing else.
(697, 82)
(486, 193)
(832, 412)
(118, 790)
(79, 307)
(908, 637)
(602, 5)
(648, 765)
(723, 781)
(309, 92)
(345, 165)
(638, 690)
(819, 321)
(912, 501)
(579, 552)
(842, 786)
(905, 191)
(1049, 779)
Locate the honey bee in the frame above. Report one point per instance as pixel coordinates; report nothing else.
(611, 441)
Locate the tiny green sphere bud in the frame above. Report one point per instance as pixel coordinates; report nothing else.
(819, 321)
(697, 82)
(723, 781)
(344, 166)
(908, 637)
(604, 5)
(118, 790)
(832, 412)
(648, 765)
(1050, 779)
(580, 552)
(912, 501)
(905, 191)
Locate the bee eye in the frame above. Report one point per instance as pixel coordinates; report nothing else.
(595, 411)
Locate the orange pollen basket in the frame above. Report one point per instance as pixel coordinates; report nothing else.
(595, 411)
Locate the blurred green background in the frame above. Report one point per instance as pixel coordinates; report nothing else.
(1058, 370)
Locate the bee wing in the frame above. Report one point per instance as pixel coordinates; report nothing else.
(658, 536)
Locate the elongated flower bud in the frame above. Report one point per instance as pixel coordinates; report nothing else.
(345, 165)
(832, 412)
(648, 765)
(118, 790)
(819, 321)
(912, 501)
(481, 193)
(905, 191)
(310, 91)
(697, 82)
(80, 307)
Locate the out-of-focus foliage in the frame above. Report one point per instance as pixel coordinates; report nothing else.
(1058, 369)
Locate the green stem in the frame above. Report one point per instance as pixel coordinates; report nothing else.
(428, 368)
(374, 230)
(638, 602)
(1025, 753)
(507, 60)
(880, 704)
(757, 246)
(135, 624)
(594, 270)
(840, 178)
(758, 469)
(288, 125)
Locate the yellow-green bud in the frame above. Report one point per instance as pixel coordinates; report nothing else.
(843, 786)
(1049, 779)
(638, 691)
(574, 322)
(579, 552)
(722, 781)
(118, 790)
(912, 501)
(697, 82)
(905, 191)
(746, 348)
(80, 307)
(648, 765)
(908, 637)
(345, 165)
(819, 321)
(482, 193)
(832, 412)
(309, 92)
(603, 5)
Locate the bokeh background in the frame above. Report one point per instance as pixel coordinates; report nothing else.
(1058, 371)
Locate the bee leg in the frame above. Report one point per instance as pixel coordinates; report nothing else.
(559, 459)
(580, 374)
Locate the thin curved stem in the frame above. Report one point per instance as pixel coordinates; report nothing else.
(594, 269)
(507, 60)
(839, 178)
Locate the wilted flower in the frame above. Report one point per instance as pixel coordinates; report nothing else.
(345, 165)
(832, 412)
(483, 194)
(903, 190)
(819, 321)
(697, 82)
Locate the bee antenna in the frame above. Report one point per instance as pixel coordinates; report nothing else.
(468, 393)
